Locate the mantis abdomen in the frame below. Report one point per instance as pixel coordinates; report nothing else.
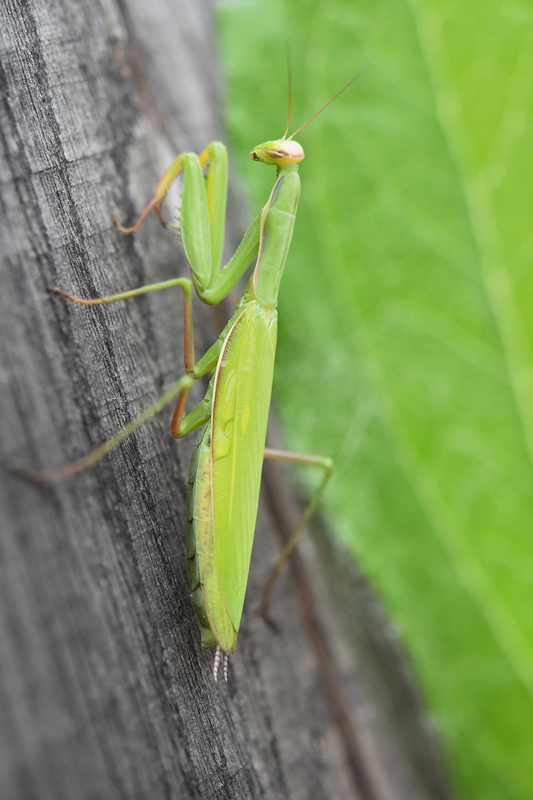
(225, 473)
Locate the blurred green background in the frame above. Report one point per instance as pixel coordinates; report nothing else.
(406, 327)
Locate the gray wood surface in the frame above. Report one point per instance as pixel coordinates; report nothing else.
(104, 689)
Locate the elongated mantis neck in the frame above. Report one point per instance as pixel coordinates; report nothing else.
(286, 169)
(277, 223)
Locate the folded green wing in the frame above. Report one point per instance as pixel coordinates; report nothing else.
(239, 419)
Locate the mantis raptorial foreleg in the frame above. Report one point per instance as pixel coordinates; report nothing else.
(203, 211)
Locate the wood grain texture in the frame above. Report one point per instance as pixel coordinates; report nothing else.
(104, 689)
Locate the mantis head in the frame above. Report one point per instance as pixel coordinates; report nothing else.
(285, 151)
(280, 152)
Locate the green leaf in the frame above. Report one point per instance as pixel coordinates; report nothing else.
(406, 327)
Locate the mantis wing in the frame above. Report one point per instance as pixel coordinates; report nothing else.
(241, 401)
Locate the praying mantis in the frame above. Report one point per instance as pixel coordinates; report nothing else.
(226, 463)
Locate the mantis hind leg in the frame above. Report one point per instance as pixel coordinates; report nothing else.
(326, 464)
(179, 427)
(182, 387)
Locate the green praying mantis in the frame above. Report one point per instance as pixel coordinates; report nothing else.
(226, 463)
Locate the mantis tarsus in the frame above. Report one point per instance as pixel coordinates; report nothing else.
(226, 463)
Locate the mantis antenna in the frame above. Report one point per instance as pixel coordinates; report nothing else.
(289, 90)
(357, 75)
